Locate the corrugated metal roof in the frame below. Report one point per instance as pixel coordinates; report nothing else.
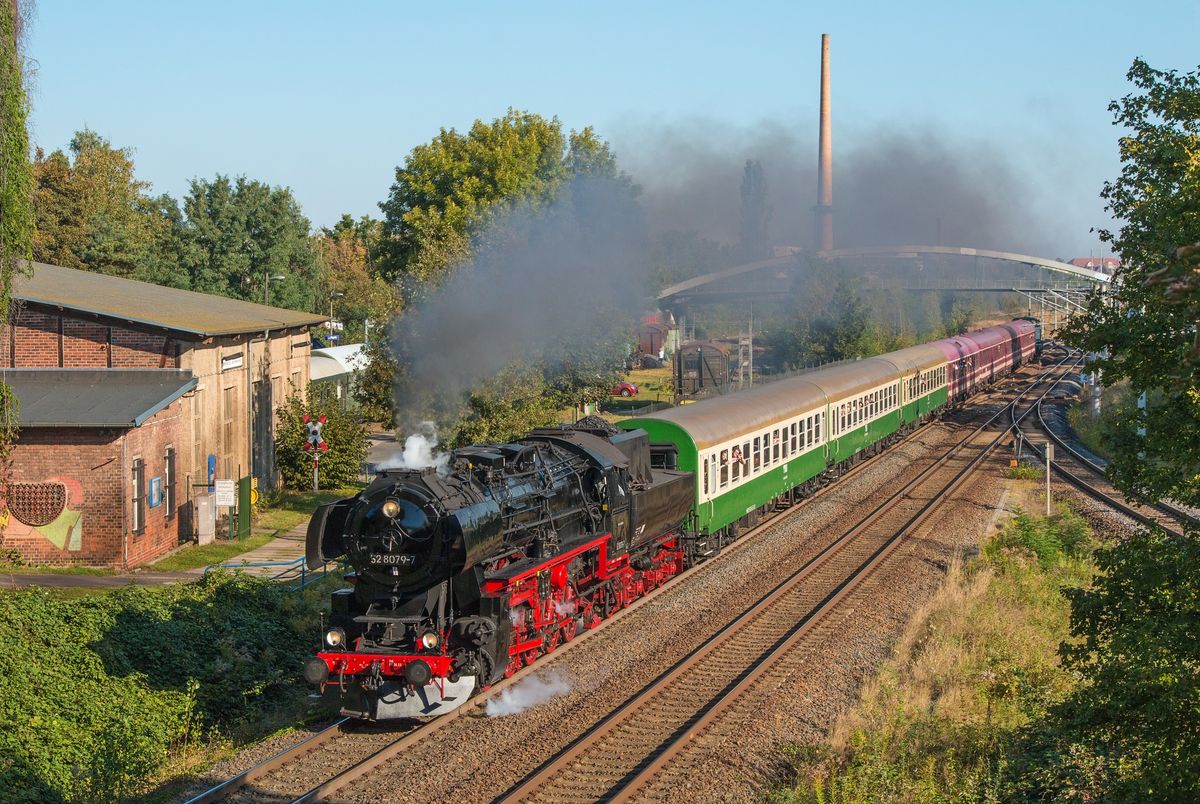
(199, 314)
(94, 397)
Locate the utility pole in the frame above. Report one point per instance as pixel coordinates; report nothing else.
(1049, 460)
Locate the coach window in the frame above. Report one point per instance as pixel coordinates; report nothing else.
(794, 446)
(775, 445)
(706, 475)
(757, 453)
(724, 468)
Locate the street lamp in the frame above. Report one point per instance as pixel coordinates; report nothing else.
(337, 294)
(267, 285)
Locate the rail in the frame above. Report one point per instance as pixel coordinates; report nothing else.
(1176, 515)
(772, 622)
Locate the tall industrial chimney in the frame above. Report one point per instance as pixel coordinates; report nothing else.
(823, 212)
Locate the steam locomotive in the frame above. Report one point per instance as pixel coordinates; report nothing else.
(465, 574)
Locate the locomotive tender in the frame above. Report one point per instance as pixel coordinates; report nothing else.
(462, 576)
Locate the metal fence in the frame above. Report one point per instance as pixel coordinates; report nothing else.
(293, 571)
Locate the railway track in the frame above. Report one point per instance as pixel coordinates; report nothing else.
(346, 750)
(1074, 467)
(631, 752)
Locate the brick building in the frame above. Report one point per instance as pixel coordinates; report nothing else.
(180, 388)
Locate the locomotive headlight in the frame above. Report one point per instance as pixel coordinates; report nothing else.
(430, 640)
(335, 637)
(391, 508)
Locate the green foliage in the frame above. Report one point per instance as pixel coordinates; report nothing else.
(1025, 471)
(346, 251)
(347, 440)
(945, 719)
(93, 213)
(1131, 730)
(1149, 334)
(375, 386)
(505, 407)
(1065, 534)
(16, 204)
(449, 189)
(100, 691)
(241, 232)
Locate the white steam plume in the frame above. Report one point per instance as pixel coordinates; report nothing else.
(528, 693)
(418, 452)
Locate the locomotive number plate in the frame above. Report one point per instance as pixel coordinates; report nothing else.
(392, 559)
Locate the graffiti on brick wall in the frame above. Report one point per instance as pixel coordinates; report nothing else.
(51, 509)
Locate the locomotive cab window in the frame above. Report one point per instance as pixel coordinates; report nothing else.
(664, 456)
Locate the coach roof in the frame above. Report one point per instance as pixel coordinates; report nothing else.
(718, 419)
(198, 314)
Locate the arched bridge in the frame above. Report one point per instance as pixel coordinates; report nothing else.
(1052, 284)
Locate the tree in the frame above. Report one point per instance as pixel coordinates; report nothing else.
(1135, 719)
(347, 440)
(240, 233)
(92, 211)
(345, 250)
(756, 214)
(448, 189)
(1147, 333)
(485, 203)
(16, 207)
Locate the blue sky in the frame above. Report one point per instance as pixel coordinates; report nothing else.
(328, 98)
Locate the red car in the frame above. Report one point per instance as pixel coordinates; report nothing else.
(624, 389)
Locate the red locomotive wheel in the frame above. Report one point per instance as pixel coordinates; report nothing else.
(569, 629)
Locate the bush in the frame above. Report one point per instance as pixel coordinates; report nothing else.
(100, 691)
(1066, 533)
(1129, 730)
(346, 437)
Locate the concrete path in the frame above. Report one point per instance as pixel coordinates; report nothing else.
(288, 546)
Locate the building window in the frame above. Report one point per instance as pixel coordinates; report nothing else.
(199, 464)
(169, 482)
(229, 430)
(139, 497)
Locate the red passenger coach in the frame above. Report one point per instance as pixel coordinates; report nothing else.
(977, 359)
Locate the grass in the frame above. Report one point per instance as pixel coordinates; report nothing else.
(286, 509)
(283, 511)
(201, 555)
(18, 568)
(942, 719)
(1025, 471)
(654, 385)
(1090, 431)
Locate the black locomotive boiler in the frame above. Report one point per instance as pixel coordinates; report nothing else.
(462, 576)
